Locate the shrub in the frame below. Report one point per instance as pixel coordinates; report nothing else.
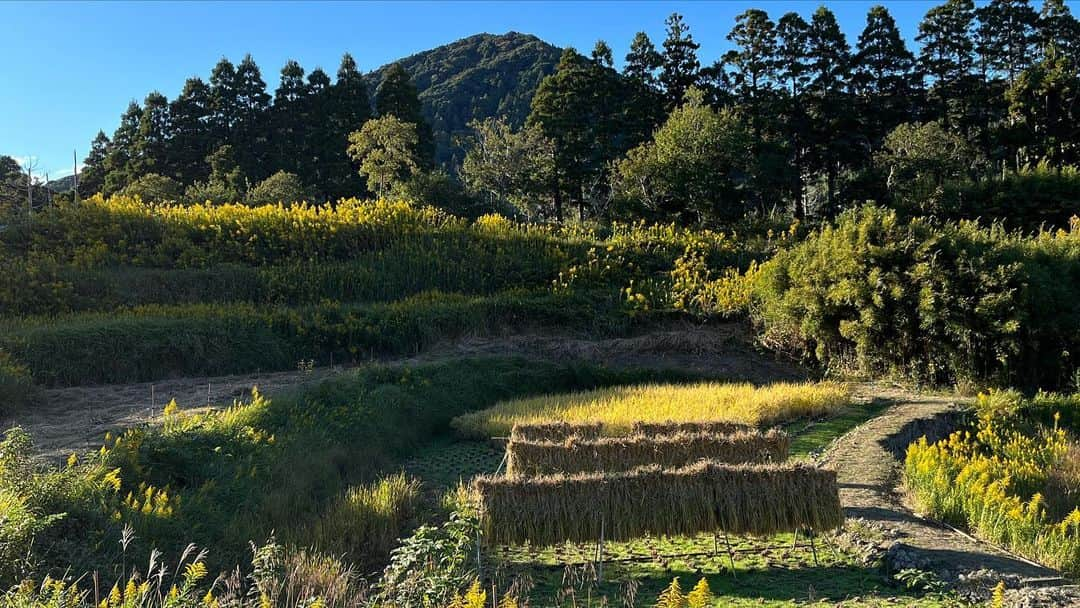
(936, 302)
(153, 188)
(282, 188)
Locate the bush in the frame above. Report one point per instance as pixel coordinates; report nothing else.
(280, 188)
(153, 188)
(1033, 198)
(940, 303)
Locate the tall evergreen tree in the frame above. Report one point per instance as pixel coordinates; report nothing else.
(118, 163)
(835, 130)
(223, 92)
(793, 55)
(947, 57)
(754, 61)
(92, 175)
(150, 151)
(680, 66)
(192, 112)
(349, 109)
(884, 76)
(601, 54)
(288, 117)
(318, 139)
(1007, 38)
(1058, 28)
(643, 61)
(397, 96)
(250, 132)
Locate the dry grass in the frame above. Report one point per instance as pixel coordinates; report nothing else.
(555, 431)
(613, 454)
(704, 497)
(620, 408)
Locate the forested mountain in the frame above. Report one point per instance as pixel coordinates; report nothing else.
(481, 76)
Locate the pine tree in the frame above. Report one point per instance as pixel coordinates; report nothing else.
(834, 131)
(792, 50)
(601, 54)
(118, 163)
(1045, 102)
(192, 139)
(643, 61)
(318, 131)
(754, 60)
(680, 66)
(1058, 28)
(250, 131)
(288, 118)
(223, 92)
(349, 109)
(1006, 35)
(947, 56)
(397, 96)
(884, 76)
(92, 176)
(150, 149)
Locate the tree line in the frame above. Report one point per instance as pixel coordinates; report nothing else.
(794, 117)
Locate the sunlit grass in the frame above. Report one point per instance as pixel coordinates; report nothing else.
(619, 407)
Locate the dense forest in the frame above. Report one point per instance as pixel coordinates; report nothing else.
(979, 121)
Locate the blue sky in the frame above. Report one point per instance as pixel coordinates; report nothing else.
(72, 67)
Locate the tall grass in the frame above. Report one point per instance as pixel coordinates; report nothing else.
(618, 408)
(225, 478)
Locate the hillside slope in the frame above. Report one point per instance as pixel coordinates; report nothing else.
(474, 78)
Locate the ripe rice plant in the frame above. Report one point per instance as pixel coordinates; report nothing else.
(704, 497)
(611, 454)
(620, 408)
(671, 428)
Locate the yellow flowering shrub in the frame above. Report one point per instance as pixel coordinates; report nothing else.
(991, 479)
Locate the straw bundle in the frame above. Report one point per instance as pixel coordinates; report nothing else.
(671, 427)
(555, 431)
(704, 497)
(613, 454)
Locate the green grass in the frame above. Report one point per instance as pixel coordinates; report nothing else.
(814, 435)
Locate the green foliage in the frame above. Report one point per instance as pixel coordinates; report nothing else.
(692, 168)
(159, 341)
(280, 188)
(936, 302)
(153, 187)
(918, 159)
(431, 565)
(368, 519)
(385, 149)
(227, 477)
(1032, 198)
(515, 168)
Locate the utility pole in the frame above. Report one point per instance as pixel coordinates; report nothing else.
(29, 187)
(75, 167)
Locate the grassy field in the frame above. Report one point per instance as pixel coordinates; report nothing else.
(619, 407)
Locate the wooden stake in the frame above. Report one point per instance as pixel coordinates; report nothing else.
(813, 548)
(731, 554)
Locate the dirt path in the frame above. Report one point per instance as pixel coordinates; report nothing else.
(867, 461)
(76, 419)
